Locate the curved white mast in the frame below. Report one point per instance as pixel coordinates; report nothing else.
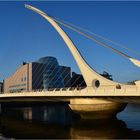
(89, 74)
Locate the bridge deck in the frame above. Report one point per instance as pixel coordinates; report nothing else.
(129, 94)
(130, 91)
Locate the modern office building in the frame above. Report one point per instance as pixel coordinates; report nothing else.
(66, 75)
(52, 77)
(77, 80)
(45, 73)
(26, 78)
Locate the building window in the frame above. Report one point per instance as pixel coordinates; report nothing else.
(24, 78)
(15, 86)
(21, 79)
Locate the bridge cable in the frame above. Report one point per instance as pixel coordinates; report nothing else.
(134, 61)
(97, 35)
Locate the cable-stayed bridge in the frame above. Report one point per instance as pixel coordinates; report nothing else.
(101, 95)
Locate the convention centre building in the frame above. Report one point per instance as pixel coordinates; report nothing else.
(45, 73)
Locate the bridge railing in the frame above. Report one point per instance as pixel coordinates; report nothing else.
(102, 90)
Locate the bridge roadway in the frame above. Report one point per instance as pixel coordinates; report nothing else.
(127, 94)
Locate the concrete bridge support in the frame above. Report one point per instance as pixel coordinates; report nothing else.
(96, 108)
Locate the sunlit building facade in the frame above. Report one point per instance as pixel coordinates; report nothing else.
(26, 78)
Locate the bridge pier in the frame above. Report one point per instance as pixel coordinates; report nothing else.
(96, 108)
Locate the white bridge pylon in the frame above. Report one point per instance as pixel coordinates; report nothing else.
(91, 77)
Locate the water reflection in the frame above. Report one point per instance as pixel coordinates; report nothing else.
(60, 114)
(105, 129)
(131, 116)
(60, 122)
(13, 128)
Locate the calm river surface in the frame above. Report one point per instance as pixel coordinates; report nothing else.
(58, 121)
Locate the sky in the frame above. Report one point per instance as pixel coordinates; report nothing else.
(26, 36)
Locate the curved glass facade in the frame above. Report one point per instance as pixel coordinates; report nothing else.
(52, 77)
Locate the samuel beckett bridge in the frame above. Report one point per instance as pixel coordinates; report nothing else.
(100, 96)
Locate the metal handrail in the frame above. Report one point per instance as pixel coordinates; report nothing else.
(124, 88)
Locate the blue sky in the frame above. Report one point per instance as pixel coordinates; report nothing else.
(26, 36)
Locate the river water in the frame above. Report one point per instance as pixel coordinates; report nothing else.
(58, 121)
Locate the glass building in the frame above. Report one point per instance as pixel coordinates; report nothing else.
(52, 77)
